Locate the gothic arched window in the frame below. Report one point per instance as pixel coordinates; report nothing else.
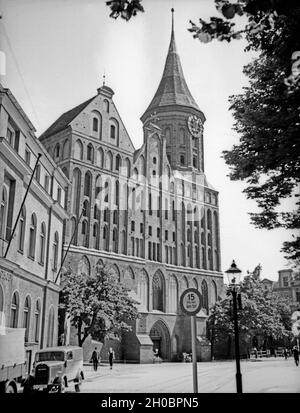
(90, 153)
(143, 290)
(204, 291)
(78, 150)
(66, 149)
(87, 184)
(173, 288)
(76, 188)
(214, 293)
(157, 292)
(99, 157)
(109, 161)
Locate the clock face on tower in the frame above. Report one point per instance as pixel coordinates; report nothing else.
(195, 125)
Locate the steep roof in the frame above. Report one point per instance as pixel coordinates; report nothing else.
(63, 121)
(172, 89)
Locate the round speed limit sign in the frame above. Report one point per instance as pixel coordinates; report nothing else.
(191, 301)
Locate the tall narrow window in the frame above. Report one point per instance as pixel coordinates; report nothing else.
(106, 191)
(157, 292)
(166, 209)
(55, 251)
(14, 311)
(96, 235)
(59, 195)
(37, 321)
(46, 184)
(115, 217)
(26, 318)
(173, 294)
(112, 131)
(204, 291)
(87, 184)
(57, 151)
(32, 236)
(38, 173)
(150, 204)
(106, 105)
(22, 224)
(118, 162)
(1, 299)
(123, 242)
(78, 150)
(90, 153)
(50, 335)
(117, 190)
(115, 240)
(27, 157)
(95, 124)
(42, 243)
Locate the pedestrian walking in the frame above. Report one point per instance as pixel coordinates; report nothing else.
(255, 352)
(296, 355)
(111, 357)
(285, 353)
(95, 359)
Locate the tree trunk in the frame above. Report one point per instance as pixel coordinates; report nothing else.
(79, 332)
(229, 346)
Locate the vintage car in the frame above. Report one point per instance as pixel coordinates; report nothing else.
(56, 367)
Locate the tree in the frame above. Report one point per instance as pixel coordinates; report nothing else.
(98, 304)
(124, 8)
(264, 314)
(267, 114)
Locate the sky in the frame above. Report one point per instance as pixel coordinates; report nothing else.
(58, 50)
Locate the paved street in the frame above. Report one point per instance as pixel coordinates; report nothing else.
(263, 376)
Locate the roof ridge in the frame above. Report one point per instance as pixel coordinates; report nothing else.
(65, 118)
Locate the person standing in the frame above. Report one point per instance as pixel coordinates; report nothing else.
(111, 357)
(296, 355)
(285, 353)
(95, 359)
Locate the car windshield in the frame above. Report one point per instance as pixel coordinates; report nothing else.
(50, 356)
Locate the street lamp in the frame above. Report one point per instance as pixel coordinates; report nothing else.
(234, 274)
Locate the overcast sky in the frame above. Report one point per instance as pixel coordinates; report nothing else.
(56, 54)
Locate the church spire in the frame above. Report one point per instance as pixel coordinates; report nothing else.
(172, 89)
(172, 10)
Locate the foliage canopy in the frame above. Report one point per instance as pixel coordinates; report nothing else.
(98, 304)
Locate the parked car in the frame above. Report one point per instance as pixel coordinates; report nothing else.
(56, 367)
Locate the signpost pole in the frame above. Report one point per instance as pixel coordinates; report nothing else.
(194, 353)
(190, 303)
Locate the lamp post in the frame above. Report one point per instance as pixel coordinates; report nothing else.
(233, 274)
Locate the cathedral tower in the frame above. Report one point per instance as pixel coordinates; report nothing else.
(178, 115)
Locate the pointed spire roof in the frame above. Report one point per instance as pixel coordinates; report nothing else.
(172, 89)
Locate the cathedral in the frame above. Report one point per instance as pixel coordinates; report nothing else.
(147, 214)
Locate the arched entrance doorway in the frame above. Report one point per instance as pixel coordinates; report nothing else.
(160, 336)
